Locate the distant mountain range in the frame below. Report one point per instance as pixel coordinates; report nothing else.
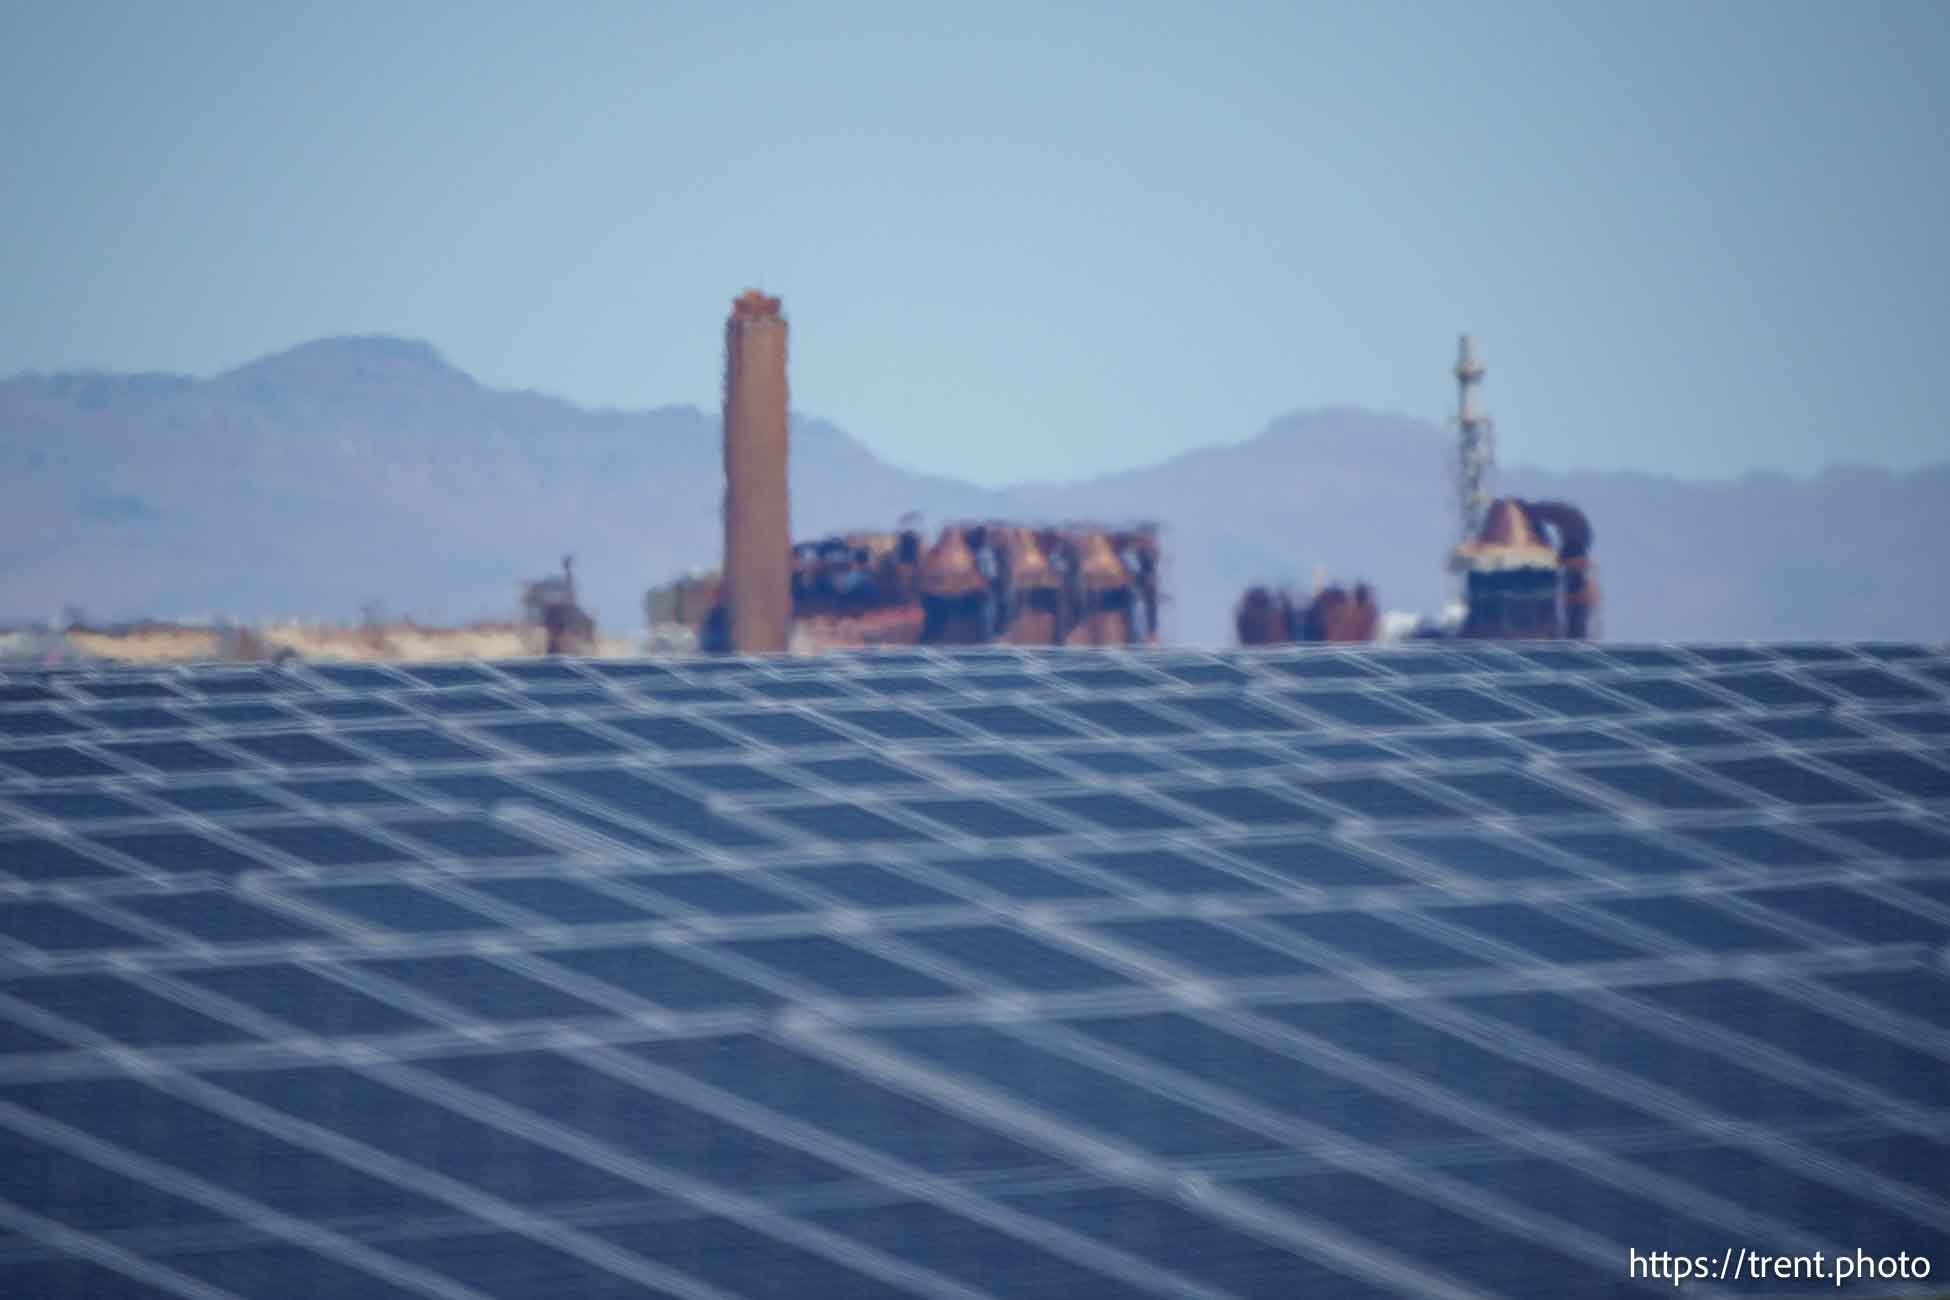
(357, 470)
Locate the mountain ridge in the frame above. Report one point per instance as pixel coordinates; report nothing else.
(353, 468)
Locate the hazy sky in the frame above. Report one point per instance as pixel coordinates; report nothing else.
(1035, 240)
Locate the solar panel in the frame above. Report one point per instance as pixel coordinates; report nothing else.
(1456, 970)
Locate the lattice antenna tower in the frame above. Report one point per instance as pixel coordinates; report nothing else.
(1475, 442)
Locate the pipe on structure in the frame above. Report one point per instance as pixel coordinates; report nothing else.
(1574, 537)
(757, 517)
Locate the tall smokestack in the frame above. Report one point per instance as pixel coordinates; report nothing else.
(757, 523)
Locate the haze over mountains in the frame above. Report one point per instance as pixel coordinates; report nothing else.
(355, 470)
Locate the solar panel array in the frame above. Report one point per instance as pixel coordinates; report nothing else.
(1441, 971)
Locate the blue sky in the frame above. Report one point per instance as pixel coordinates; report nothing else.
(1024, 240)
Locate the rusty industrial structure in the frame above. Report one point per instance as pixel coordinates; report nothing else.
(1081, 585)
(550, 603)
(976, 583)
(1334, 614)
(757, 599)
(1521, 586)
(1518, 583)
(1526, 566)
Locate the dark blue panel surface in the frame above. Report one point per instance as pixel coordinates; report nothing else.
(1168, 872)
(1526, 796)
(1377, 940)
(866, 884)
(218, 917)
(715, 891)
(479, 987)
(180, 851)
(1116, 812)
(1009, 957)
(1882, 1062)
(829, 964)
(662, 977)
(1392, 1038)
(1636, 1055)
(1204, 947)
(1485, 857)
(1092, 1098)
(1536, 931)
(1695, 921)
(1173, 1237)
(560, 900)
(1023, 880)
(401, 908)
(847, 1105)
(1289, 1081)
(54, 928)
(306, 999)
(1461, 1245)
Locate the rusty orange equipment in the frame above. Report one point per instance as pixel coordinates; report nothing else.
(1520, 586)
(1265, 617)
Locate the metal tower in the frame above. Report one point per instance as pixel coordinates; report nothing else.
(1476, 443)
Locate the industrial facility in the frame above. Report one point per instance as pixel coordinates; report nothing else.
(1517, 585)
(992, 581)
(998, 581)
